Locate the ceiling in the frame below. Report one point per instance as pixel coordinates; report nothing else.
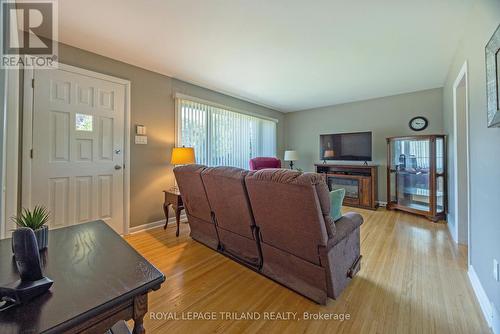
(284, 54)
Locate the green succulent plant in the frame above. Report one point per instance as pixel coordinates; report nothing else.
(34, 219)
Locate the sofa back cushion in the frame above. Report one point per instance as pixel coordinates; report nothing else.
(193, 191)
(228, 199)
(288, 210)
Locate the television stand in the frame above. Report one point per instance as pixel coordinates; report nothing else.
(359, 182)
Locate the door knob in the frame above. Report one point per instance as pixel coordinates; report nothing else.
(117, 167)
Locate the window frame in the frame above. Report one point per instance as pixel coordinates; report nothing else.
(178, 131)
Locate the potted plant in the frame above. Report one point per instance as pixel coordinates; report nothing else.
(36, 220)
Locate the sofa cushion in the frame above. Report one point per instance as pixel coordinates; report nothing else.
(287, 211)
(228, 199)
(193, 191)
(345, 226)
(300, 178)
(336, 198)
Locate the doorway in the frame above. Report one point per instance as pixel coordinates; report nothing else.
(461, 205)
(75, 145)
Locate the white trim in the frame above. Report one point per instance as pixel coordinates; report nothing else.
(27, 134)
(217, 105)
(11, 149)
(177, 130)
(9, 205)
(462, 75)
(4, 148)
(481, 296)
(92, 74)
(127, 156)
(28, 129)
(149, 226)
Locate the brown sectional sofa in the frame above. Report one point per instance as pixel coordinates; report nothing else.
(275, 221)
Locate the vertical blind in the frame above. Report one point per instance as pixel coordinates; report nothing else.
(222, 137)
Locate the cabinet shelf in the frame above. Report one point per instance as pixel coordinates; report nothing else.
(416, 175)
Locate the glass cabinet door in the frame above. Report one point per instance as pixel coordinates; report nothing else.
(440, 170)
(410, 173)
(416, 172)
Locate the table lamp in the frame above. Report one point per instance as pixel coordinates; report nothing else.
(181, 156)
(291, 156)
(328, 154)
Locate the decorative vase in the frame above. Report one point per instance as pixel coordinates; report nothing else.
(42, 237)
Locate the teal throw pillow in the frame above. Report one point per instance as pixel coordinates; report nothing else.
(336, 198)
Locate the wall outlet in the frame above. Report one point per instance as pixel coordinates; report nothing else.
(143, 140)
(496, 270)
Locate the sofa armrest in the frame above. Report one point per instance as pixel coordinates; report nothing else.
(344, 226)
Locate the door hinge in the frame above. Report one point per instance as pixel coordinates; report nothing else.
(32, 83)
(31, 154)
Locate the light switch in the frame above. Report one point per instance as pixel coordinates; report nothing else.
(140, 130)
(142, 140)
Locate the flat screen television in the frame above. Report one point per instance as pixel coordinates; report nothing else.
(355, 146)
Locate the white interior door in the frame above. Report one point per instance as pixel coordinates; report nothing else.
(78, 142)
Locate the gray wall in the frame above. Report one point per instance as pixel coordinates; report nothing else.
(385, 117)
(484, 146)
(153, 106)
(2, 117)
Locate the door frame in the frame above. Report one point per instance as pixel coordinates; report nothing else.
(27, 134)
(10, 168)
(462, 75)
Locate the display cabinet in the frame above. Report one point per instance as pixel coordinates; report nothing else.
(416, 175)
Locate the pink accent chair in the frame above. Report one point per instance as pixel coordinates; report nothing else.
(264, 162)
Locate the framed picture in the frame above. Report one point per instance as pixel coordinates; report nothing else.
(493, 79)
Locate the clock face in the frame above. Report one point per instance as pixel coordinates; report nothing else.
(418, 123)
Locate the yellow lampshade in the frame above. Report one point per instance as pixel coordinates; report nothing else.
(182, 156)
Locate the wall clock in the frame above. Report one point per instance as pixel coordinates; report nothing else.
(418, 123)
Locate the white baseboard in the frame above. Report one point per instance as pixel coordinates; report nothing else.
(148, 226)
(382, 204)
(486, 306)
(452, 227)
(495, 321)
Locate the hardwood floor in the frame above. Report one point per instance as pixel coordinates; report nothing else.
(413, 279)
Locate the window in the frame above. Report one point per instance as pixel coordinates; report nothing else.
(221, 137)
(83, 122)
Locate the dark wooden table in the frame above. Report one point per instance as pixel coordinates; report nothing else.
(173, 198)
(99, 280)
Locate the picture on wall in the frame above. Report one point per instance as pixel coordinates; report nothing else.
(493, 78)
